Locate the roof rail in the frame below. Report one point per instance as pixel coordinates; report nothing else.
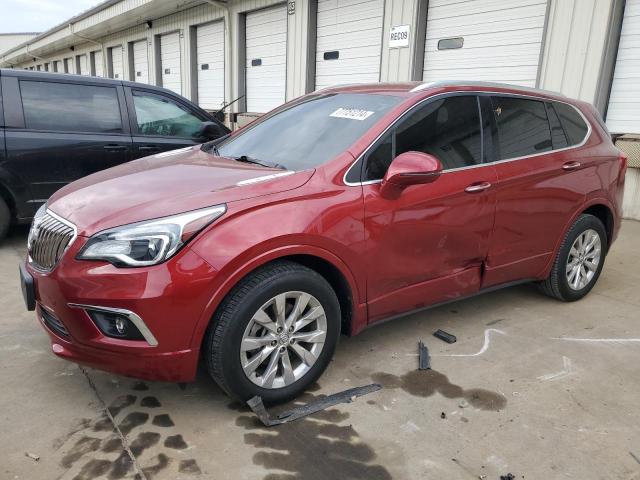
(474, 83)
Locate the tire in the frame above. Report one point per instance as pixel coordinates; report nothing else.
(233, 325)
(5, 219)
(558, 284)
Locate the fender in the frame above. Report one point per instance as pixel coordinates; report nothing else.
(232, 277)
(585, 205)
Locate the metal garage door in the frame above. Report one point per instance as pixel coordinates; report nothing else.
(83, 66)
(140, 62)
(210, 64)
(349, 41)
(58, 67)
(98, 66)
(623, 114)
(170, 62)
(68, 65)
(266, 63)
(489, 40)
(116, 62)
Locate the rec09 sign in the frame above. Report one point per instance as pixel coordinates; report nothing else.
(399, 36)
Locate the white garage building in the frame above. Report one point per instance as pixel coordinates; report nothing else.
(266, 52)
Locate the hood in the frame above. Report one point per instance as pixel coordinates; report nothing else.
(165, 184)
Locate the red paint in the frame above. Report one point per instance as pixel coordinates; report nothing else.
(416, 239)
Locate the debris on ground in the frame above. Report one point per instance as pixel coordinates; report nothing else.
(508, 476)
(444, 336)
(443, 415)
(32, 456)
(463, 404)
(347, 396)
(424, 361)
(635, 457)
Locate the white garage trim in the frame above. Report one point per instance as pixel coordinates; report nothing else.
(210, 66)
(348, 41)
(58, 66)
(266, 58)
(82, 66)
(501, 40)
(116, 66)
(139, 61)
(623, 114)
(170, 62)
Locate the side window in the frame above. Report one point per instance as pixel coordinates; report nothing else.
(67, 107)
(448, 128)
(558, 138)
(572, 122)
(159, 115)
(523, 128)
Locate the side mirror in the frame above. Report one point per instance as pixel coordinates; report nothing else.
(409, 168)
(219, 116)
(209, 131)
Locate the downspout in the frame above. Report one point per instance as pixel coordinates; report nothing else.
(100, 44)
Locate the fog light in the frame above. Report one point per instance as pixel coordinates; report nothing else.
(120, 325)
(115, 325)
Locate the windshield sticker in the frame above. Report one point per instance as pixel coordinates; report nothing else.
(352, 113)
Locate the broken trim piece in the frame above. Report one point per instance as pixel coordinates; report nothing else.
(444, 336)
(347, 396)
(424, 361)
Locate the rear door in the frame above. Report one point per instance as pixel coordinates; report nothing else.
(65, 130)
(160, 122)
(429, 244)
(540, 183)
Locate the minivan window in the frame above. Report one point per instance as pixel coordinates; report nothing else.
(158, 115)
(311, 132)
(572, 122)
(67, 107)
(447, 128)
(523, 128)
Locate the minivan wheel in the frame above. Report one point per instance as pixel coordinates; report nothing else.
(579, 261)
(274, 334)
(5, 219)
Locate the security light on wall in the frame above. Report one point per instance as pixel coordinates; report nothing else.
(149, 24)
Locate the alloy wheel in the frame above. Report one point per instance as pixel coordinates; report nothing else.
(583, 259)
(283, 340)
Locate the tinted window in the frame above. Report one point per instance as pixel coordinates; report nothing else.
(523, 128)
(158, 115)
(311, 132)
(558, 138)
(66, 107)
(574, 127)
(447, 128)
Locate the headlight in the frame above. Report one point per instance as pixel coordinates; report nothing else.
(150, 242)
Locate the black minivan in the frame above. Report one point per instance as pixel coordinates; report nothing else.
(56, 128)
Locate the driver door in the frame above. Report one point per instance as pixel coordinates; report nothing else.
(428, 245)
(160, 123)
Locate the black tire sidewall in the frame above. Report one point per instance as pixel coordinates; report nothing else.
(237, 383)
(585, 222)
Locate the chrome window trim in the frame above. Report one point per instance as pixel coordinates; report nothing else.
(483, 164)
(134, 317)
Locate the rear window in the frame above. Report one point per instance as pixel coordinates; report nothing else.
(66, 107)
(574, 126)
(523, 127)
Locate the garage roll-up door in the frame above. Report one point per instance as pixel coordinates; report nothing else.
(170, 68)
(486, 40)
(349, 41)
(83, 65)
(623, 114)
(266, 65)
(210, 65)
(58, 67)
(140, 62)
(116, 62)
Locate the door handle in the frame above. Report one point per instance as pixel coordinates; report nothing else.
(148, 148)
(477, 187)
(115, 148)
(571, 165)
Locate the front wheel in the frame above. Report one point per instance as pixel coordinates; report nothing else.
(579, 260)
(274, 334)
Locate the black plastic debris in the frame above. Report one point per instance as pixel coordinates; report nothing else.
(444, 336)
(347, 396)
(424, 361)
(508, 476)
(443, 415)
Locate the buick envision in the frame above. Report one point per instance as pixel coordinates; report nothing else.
(335, 211)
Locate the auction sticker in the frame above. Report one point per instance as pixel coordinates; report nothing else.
(352, 113)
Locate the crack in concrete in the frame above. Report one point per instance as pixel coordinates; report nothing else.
(123, 440)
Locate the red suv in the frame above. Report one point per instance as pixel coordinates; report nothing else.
(331, 213)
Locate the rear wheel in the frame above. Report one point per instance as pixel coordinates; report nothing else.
(5, 218)
(579, 261)
(274, 334)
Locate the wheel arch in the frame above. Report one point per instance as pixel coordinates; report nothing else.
(605, 215)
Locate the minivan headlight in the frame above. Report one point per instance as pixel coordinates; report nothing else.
(150, 242)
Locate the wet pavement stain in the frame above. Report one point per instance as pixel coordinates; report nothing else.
(144, 441)
(121, 403)
(176, 442)
(162, 462)
(150, 402)
(83, 446)
(163, 420)
(131, 421)
(312, 448)
(189, 466)
(140, 387)
(92, 469)
(424, 383)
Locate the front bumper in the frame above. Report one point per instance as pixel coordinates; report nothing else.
(170, 298)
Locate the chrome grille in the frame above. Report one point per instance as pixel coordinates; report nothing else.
(50, 235)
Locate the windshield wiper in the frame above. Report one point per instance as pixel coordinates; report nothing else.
(264, 163)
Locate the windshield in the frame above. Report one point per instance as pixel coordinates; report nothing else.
(310, 133)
